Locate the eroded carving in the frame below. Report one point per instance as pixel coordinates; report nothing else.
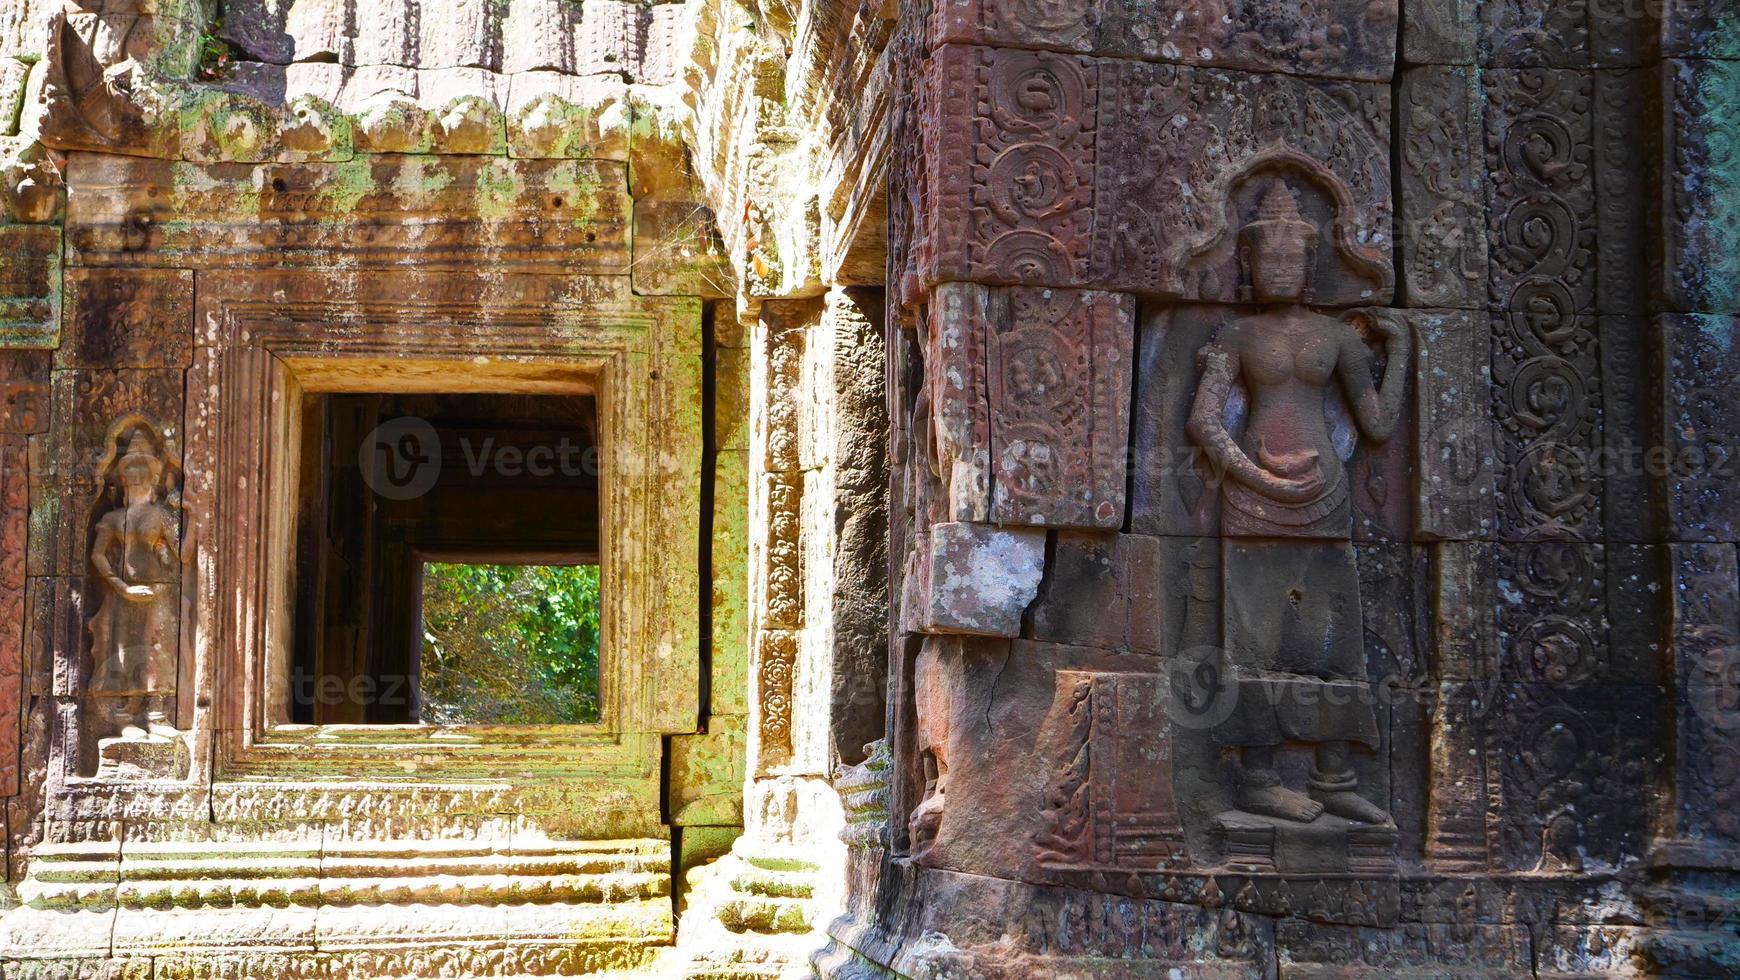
(135, 555)
(1293, 645)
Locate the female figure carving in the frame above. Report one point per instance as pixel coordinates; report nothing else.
(1293, 638)
(135, 554)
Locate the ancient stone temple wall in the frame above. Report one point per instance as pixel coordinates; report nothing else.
(1306, 494)
(1093, 488)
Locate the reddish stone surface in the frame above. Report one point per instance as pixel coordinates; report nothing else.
(975, 579)
(1030, 394)
(24, 391)
(14, 511)
(1056, 170)
(1102, 590)
(127, 319)
(1337, 38)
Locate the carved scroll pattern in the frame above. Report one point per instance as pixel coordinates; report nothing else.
(1032, 202)
(780, 556)
(1570, 741)
(1547, 396)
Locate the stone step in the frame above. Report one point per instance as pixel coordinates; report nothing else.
(161, 876)
(745, 913)
(755, 881)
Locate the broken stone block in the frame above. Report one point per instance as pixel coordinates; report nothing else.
(1030, 395)
(979, 579)
(1102, 590)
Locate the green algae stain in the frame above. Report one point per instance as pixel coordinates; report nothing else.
(1716, 248)
(499, 185)
(348, 183)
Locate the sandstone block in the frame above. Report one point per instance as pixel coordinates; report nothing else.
(706, 775)
(1700, 465)
(1698, 29)
(12, 75)
(24, 391)
(533, 214)
(128, 319)
(30, 286)
(1129, 176)
(978, 579)
(88, 403)
(1011, 371)
(1440, 199)
(551, 115)
(1454, 446)
(1700, 271)
(1341, 38)
(678, 251)
(1102, 590)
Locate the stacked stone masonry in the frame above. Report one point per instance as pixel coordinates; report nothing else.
(1092, 488)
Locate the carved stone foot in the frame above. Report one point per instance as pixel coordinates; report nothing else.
(926, 821)
(1350, 805)
(1279, 802)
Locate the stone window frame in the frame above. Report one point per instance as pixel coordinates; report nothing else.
(259, 352)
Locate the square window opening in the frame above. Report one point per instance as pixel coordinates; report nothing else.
(447, 561)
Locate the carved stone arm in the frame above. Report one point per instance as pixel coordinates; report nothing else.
(100, 559)
(1378, 410)
(1207, 428)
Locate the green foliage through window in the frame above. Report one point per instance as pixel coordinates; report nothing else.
(510, 644)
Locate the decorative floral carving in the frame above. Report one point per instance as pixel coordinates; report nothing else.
(1546, 394)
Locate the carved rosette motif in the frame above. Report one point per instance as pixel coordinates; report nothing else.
(1065, 171)
(1059, 406)
(1545, 367)
(1022, 201)
(778, 555)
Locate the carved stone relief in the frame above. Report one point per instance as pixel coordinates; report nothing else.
(1545, 366)
(1338, 39)
(133, 596)
(1030, 393)
(107, 60)
(1440, 197)
(1064, 171)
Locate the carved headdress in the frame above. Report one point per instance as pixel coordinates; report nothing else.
(1277, 219)
(140, 452)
